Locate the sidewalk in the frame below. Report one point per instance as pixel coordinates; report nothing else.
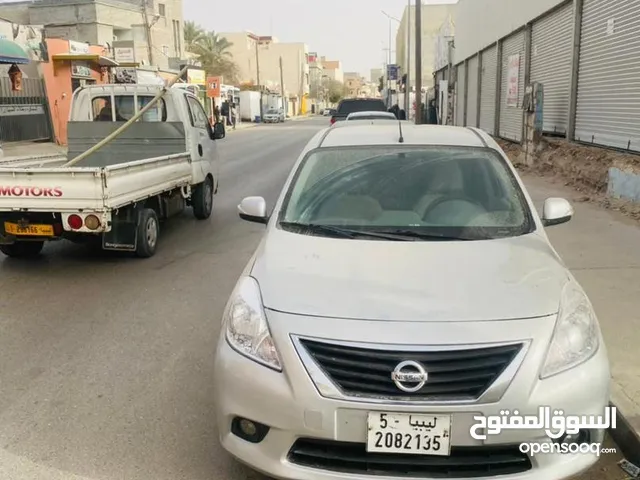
(602, 249)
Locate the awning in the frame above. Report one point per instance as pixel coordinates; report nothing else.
(11, 52)
(85, 57)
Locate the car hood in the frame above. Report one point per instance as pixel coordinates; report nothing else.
(501, 279)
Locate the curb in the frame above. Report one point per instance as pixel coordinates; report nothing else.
(626, 437)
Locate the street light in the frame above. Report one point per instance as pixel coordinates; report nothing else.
(389, 54)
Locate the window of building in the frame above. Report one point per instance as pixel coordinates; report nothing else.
(162, 10)
(165, 50)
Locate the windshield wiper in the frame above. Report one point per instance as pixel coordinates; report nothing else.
(344, 232)
(413, 235)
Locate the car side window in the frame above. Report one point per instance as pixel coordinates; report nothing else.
(198, 117)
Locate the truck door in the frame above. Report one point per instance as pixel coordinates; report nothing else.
(203, 148)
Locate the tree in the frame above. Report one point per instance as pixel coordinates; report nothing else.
(192, 34)
(336, 91)
(212, 51)
(381, 84)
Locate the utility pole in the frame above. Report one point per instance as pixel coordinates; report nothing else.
(282, 84)
(418, 62)
(258, 79)
(147, 28)
(407, 88)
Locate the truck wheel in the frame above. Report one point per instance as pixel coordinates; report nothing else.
(202, 199)
(22, 249)
(148, 233)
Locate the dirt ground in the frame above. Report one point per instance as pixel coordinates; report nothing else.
(585, 168)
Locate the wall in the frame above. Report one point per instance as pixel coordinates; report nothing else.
(57, 78)
(481, 23)
(433, 17)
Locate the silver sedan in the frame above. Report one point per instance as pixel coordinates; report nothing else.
(405, 291)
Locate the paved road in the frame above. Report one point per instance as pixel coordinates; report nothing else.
(106, 361)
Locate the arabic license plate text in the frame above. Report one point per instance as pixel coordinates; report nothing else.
(416, 434)
(29, 230)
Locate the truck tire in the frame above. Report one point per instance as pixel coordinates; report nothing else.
(22, 249)
(148, 233)
(202, 199)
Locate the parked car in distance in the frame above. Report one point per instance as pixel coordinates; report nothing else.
(351, 105)
(327, 112)
(405, 290)
(274, 116)
(371, 116)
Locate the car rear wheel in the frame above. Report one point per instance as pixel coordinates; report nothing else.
(21, 249)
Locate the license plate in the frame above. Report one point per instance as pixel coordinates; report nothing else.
(409, 433)
(29, 230)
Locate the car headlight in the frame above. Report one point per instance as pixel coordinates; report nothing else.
(246, 325)
(576, 336)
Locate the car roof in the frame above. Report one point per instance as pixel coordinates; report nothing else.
(384, 132)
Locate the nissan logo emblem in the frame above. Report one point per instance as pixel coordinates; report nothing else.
(409, 376)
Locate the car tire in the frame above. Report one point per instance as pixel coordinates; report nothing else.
(148, 233)
(21, 249)
(202, 199)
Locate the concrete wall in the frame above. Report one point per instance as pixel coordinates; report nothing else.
(433, 17)
(480, 23)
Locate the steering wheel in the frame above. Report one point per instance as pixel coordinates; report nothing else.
(452, 197)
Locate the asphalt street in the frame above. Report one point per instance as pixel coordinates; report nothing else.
(106, 360)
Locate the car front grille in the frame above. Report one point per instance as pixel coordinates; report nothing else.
(453, 375)
(464, 462)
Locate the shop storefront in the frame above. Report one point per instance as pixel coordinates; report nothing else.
(72, 65)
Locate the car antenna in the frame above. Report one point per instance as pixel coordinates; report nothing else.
(401, 139)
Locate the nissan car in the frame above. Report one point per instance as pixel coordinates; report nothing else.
(405, 286)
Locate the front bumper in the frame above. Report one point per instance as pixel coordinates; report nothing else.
(290, 402)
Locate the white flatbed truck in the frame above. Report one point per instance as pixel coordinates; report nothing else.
(162, 163)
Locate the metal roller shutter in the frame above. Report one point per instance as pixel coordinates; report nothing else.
(459, 120)
(472, 92)
(608, 110)
(488, 90)
(551, 59)
(511, 117)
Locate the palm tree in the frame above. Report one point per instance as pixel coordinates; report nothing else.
(192, 35)
(213, 52)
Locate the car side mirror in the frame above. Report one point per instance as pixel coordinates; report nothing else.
(218, 131)
(556, 211)
(253, 209)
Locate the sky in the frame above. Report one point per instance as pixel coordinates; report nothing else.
(355, 32)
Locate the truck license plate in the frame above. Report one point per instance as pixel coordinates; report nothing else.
(409, 433)
(29, 230)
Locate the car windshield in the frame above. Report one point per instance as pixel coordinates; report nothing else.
(430, 193)
(272, 112)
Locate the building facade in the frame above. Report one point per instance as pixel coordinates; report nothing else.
(254, 54)
(433, 17)
(332, 69)
(154, 27)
